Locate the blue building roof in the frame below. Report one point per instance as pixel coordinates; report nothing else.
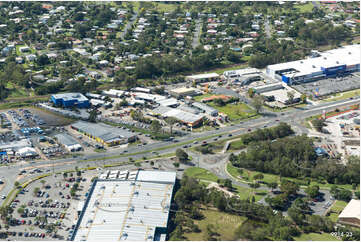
(320, 151)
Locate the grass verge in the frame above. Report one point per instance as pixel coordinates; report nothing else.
(224, 224)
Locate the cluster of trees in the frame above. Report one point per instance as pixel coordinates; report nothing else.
(270, 51)
(296, 157)
(280, 131)
(138, 116)
(320, 33)
(288, 189)
(341, 194)
(262, 223)
(154, 66)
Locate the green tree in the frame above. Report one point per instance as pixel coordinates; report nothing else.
(304, 98)
(171, 121)
(272, 185)
(251, 92)
(258, 176)
(312, 191)
(181, 155)
(36, 190)
(291, 97)
(93, 116)
(155, 126)
(228, 184)
(257, 103)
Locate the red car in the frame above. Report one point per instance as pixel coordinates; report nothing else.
(67, 197)
(67, 185)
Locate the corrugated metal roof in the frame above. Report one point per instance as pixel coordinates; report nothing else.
(66, 139)
(127, 210)
(151, 176)
(103, 131)
(178, 114)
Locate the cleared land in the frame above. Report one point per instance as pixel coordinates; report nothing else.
(235, 111)
(224, 224)
(50, 118)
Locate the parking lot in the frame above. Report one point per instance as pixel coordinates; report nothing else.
(329, 86)
(46, 210)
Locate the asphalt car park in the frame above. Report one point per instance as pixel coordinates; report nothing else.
(329, 86)
(46, 206)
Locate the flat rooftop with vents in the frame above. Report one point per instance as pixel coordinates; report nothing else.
(135, 208)
(103, 133)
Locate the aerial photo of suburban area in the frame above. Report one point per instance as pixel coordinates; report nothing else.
(180, 120)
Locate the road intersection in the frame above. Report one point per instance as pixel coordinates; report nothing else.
(9, 174)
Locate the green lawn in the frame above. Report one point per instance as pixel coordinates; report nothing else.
(236, 145)
(165, 7)
(225, 225)
(200, 97)
(235, 111)
(336, 209)
(247, 193)
(316, 237)
(305, 8)
(233, 171)
(201, 173)
(343, 95)
(205, 175)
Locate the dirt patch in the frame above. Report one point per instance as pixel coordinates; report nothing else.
(50, 118)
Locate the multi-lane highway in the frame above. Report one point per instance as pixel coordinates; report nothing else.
(10, 174)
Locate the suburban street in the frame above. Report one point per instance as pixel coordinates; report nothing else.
(10, 173)
(195, 41)
(267, 28)
(129, 25)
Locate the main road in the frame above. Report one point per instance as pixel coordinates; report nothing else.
(10, 173)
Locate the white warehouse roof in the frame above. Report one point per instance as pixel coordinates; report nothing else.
(352, 210)
(203, 76)
(127, 209)
(346, 55)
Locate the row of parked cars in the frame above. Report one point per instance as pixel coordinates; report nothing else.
(26, 234)
(18, 119)
(5, 122)
(28, 115)
(48, 204)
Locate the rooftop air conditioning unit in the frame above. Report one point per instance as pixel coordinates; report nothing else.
(324, 58)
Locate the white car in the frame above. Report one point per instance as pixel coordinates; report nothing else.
(3, 197)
